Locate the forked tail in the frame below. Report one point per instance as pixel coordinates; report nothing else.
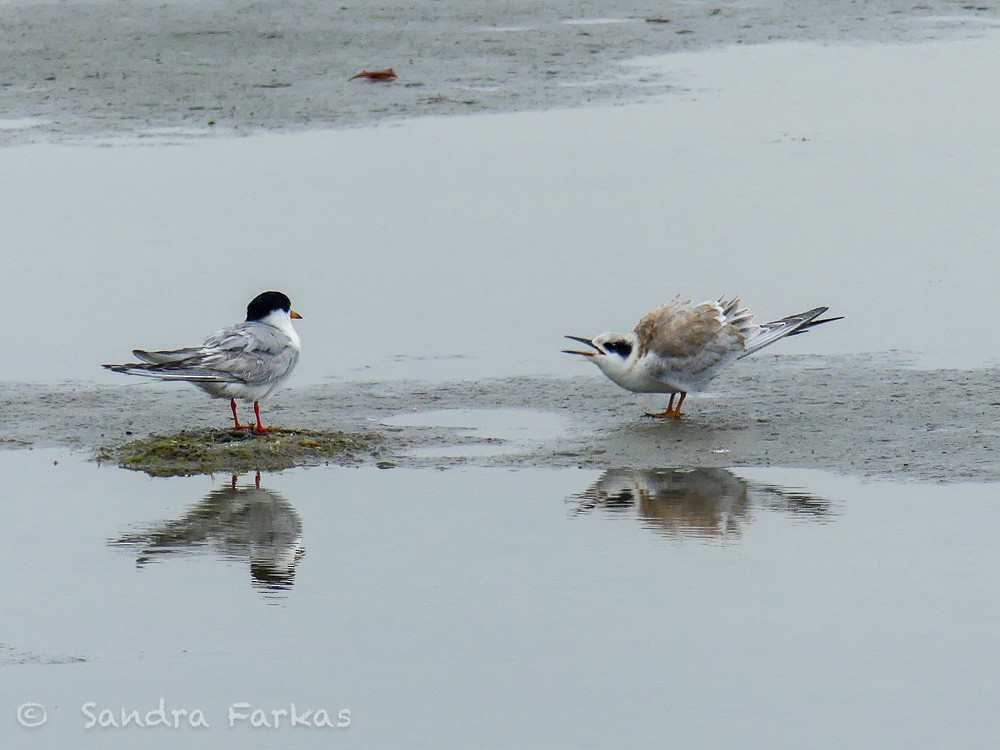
(790, 326)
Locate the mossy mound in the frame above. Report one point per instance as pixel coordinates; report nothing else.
(237, 451)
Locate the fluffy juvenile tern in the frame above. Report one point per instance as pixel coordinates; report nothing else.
(679, 347)
(246, 361)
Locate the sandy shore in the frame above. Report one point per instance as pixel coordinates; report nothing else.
(856, 415)
(81, 69)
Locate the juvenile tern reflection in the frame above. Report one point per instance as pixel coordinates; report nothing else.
(237, 523)
(706, 503)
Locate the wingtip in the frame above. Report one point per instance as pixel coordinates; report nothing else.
(809, 325)
(821, 321)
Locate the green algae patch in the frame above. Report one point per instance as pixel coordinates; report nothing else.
(237, 451)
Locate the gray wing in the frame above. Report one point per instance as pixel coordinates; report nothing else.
(163, 357)
(244, 353)
(247, 353)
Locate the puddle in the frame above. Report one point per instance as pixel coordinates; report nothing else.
(505, 29)
(596, 21)
(22, 123)
(497, 432)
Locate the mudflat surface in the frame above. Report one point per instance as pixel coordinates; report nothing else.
(81, 69)
(856, 415)
(86, 70)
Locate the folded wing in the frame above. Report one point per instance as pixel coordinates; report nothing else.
(246, 353)
(696, 338)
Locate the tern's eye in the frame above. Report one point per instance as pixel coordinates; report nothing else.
(621, 348)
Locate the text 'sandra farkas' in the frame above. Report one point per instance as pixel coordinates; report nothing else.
(239, 713)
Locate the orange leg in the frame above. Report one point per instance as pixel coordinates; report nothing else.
(260, 427)
(256, 481)
(236, 419)
(680, 403)
(671, 411)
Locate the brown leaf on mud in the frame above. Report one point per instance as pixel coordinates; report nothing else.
(386, 74)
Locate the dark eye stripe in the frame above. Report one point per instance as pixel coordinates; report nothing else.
(621, 348)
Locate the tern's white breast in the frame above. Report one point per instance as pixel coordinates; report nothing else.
(652, 373)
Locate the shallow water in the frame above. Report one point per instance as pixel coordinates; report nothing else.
(794, 175)
(496, 608)
(498, 432)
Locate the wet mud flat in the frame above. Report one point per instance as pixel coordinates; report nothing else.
(82, 69)
(859, 415)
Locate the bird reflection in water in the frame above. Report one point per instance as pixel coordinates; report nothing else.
(705, 503)
(237, 523)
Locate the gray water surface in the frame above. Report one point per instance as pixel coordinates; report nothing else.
(497, 608)
(794, 175)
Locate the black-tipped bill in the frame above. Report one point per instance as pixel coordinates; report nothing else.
(582, 340)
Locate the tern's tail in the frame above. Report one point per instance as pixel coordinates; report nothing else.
(168, 371)
(790, 326)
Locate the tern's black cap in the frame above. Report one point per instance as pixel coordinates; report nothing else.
(266, 303)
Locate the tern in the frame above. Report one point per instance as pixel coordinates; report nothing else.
(679, 347)
(246, 361)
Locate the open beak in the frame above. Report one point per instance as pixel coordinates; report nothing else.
(582, 340)
(295, 315)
